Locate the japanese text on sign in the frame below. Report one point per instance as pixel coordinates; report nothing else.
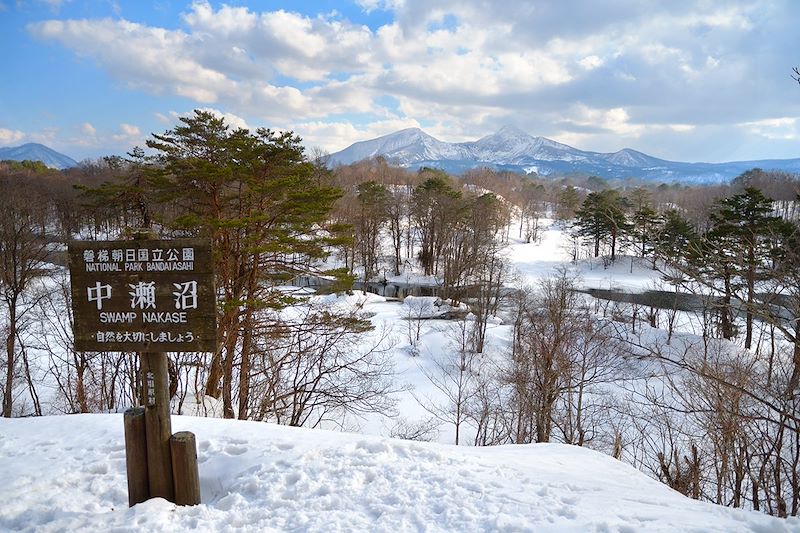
(143, 295)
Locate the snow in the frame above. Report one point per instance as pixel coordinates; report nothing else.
(540, 259)
(553, 250)
(67, 473)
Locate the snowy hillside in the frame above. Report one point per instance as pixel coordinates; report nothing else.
(67, 473)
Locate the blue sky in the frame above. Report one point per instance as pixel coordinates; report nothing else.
(682, 80)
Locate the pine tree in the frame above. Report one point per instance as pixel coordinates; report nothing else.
(601, 217)
(743, 238)
(568, 202)
(261, 203)
(645, 225)
(436, 207)
(373, 200)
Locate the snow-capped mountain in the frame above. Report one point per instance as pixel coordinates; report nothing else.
(515, 150)
(37, 152)
(512, 146)
(407, 147)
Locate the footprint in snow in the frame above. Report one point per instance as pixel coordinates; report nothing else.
(233, 449)
(97, 468)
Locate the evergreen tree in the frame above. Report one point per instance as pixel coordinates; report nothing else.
(740, 248)
(644, 228)
(127, 191)
(436, 206)
(261, 203)
(673, 238)
(568, 202)
(788, 272)
(743, 239)
(373, 200)
(601, 217)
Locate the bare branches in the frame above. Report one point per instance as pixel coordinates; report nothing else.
(319, 367)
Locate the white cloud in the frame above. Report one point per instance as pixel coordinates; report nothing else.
(44, 136)
(55, 5)
(731, 17)
(228, 20)
(456, 66)
(232, 120)
(615, 120)
(680, 128)
(10, 137)
(128, 134)
(88, 129)
(129, 129)
(591, 62)
(333, 136)
(368, 5)
(783, 128)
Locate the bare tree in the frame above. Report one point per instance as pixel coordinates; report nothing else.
(545, 334)
(453, 377)
(415, 310)
(313, 366)
(23, 252)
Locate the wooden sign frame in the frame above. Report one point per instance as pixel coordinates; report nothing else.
(143, 295)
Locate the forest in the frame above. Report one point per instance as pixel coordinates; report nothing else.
(695, 382)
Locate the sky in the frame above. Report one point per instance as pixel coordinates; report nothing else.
(684, 80)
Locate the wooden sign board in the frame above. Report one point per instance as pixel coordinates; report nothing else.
(143, 295)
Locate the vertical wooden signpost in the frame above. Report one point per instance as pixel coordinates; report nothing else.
(151, 297)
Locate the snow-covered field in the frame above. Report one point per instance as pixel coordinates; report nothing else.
(67, 473)
(538, 260)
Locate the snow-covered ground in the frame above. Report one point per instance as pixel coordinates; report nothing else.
(67, 473)
(538, 260)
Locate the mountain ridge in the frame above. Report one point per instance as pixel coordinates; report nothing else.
(37, 152)
(510, 148)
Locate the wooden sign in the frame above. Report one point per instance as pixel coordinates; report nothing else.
(143, 295)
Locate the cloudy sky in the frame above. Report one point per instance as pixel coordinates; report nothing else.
(686, 80)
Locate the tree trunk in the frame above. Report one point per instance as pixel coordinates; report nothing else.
(751, 281)
(244, 370)
(10, 348)
(227, 376)
(613, 245)
(794, 381)
(725, 312)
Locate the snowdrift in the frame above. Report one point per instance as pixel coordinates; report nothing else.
(67, 473)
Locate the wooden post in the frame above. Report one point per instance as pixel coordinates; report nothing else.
(136, 456)
(134, 279)
(158, 426)
(184, 468)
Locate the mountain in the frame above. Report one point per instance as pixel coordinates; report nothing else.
(37, 152)
(513, 149)
(406, 146)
